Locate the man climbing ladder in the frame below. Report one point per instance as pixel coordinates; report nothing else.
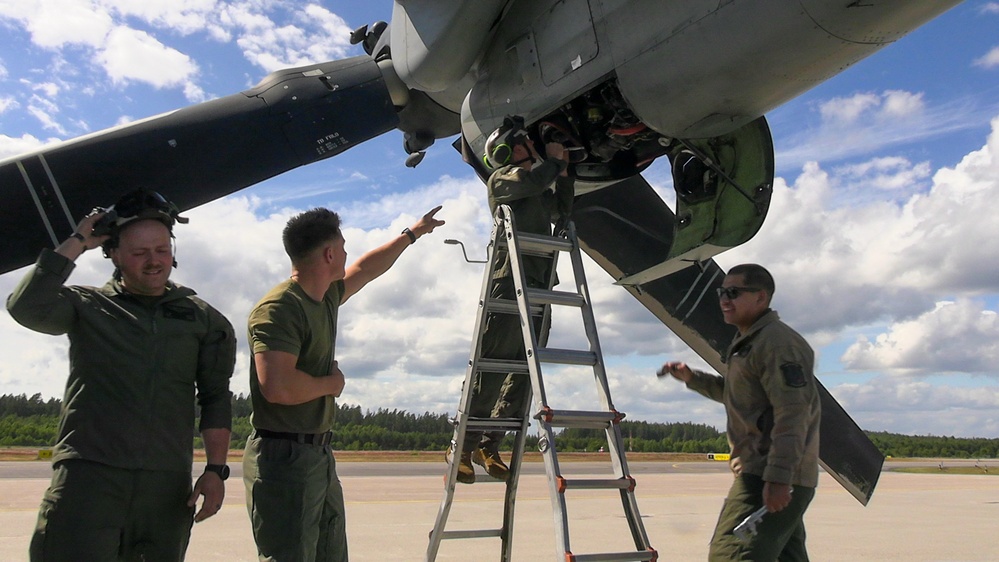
(538, 191)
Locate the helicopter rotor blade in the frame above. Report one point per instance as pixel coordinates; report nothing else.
(193, 155)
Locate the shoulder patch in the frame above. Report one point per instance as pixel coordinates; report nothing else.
(794, 375)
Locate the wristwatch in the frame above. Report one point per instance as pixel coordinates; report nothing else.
(411, 234)
(221, 469)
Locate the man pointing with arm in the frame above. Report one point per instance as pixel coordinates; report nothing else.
(293, 495)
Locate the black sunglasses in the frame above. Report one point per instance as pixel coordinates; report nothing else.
(732, 293)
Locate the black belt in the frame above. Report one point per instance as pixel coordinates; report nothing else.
(304, 438)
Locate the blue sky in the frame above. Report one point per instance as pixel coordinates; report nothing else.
(881, 233)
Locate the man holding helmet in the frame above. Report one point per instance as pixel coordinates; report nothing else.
(142, 349)
(539, 192)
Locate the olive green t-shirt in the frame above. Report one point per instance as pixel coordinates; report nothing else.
(289, 320)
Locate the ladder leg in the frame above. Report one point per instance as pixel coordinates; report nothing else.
(509, 500)
(467, 399)
(609, 418)
(493, 350)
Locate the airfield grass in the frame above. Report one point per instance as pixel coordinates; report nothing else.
(982, 470)
(987, 469)
(32, 454)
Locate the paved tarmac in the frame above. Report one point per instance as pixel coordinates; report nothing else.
(391, 508)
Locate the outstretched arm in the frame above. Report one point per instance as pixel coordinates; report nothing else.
(376, 262)
(707, 384)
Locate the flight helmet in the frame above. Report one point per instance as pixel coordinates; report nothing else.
(500, 144)
(135, 205)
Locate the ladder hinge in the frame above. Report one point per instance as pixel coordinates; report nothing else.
(618, 416)
(546, 414)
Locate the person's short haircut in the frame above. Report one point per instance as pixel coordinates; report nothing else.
(309, 230)
(755, 276)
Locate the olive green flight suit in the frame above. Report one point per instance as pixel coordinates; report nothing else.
(137, 367)
(773, 411)
(535, 206)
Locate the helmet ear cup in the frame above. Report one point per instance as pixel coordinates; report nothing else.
(502, 154)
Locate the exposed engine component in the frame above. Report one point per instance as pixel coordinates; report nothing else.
(605, 139)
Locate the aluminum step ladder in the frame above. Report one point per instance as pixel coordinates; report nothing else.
(533, 302)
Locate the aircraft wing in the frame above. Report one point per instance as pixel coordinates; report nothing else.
(627, 228)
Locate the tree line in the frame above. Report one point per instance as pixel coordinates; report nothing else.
(33, 422)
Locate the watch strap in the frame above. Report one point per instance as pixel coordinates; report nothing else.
(222, 470)
(412, 236)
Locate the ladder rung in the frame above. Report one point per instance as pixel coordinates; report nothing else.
(542, 243)
(489, 424)
(637, 556)
(472, 534)
(567, 356)
(580, 418)
(626, 483)
(507, 306)
(562, 298)
(502, 366)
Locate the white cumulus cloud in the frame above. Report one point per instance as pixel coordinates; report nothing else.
(953, 337)
(889, 173)
(313, 34)
(130, 54)
(865, 259)
(989, 60)
(890, 104)
(12, 146)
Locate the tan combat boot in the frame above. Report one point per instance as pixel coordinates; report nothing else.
(466, 472)
(491, 461)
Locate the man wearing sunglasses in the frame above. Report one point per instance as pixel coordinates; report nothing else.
(143, 351)
(773, 411)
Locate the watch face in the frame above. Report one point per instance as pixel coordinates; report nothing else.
(221, 470)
